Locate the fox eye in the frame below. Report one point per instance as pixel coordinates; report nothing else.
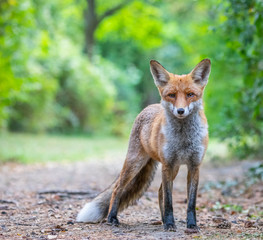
(171, 95)
(190, 94)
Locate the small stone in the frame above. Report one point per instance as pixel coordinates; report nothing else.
(52, 236)
(191, 230)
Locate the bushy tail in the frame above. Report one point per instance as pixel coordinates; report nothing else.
(98, 208)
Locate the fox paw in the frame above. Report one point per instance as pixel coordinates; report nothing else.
(191, 228)
(113, 221)
(169, 227)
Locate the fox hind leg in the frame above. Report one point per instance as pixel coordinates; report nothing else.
(131, 169)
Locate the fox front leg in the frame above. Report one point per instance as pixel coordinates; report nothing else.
(160, 197)
(192, 185)
(167, 186)
(160, 193)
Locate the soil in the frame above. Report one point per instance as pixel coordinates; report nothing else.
(41, 202)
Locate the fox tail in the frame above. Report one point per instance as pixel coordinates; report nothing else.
(97, 209)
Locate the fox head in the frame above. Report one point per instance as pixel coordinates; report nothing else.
(181, 94)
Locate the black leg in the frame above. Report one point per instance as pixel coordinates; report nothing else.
(167, 185)
(192, 186)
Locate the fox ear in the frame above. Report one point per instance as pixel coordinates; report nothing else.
(201, 72)
(159, 73)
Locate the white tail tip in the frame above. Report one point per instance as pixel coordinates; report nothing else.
(90, 213)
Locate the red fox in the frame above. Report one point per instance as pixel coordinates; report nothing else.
(174, 132)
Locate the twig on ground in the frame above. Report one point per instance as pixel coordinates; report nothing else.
(7, 201)
(60, 195)
(65, 192)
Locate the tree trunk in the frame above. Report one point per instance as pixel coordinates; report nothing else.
(92, 20)
(91, 23)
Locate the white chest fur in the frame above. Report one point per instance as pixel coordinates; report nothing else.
(184, 140)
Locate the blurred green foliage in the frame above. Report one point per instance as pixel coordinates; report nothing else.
(244, 31)
(49, 84)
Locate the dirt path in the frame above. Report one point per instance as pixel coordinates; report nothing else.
(25, 214)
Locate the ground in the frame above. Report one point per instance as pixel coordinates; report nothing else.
(41, 201)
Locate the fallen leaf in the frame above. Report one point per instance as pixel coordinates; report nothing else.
(218, 219)
(248, 224)
(156, 223)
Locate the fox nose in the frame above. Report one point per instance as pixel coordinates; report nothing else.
(180, 111)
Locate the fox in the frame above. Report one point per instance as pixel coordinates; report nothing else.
(172, 133)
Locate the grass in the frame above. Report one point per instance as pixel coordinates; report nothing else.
(31, 148)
